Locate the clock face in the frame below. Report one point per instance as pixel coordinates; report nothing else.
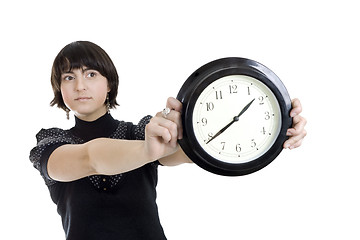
(235, 116)
(227, 131)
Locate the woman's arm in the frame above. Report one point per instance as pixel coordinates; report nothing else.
(99, 156)
(113, 156)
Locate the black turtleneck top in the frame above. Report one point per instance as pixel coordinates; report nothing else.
(121, 206)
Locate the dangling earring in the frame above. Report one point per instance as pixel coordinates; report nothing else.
(107, 104)
(67, 113)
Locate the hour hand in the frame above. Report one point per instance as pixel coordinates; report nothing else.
(235, 119)
(245, 108)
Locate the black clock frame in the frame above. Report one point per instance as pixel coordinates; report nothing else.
(209, 73)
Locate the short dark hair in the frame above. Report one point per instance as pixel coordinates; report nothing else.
(81, 54)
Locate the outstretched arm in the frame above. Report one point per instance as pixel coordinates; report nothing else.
(113, 156)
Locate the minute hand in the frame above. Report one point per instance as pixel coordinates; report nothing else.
(235, 119)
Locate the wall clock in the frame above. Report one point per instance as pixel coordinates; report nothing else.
(235, 116)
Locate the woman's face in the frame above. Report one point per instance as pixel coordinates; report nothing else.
(84, 91)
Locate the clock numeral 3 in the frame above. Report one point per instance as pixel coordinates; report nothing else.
(267, 115)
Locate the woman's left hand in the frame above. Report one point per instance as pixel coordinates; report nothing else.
(297, 133)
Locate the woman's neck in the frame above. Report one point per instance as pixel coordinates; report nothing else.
(101, 127)
(92, 116)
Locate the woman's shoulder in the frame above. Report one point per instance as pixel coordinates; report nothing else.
(51, 133)
(128, 130)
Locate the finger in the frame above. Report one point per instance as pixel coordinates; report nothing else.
(174, 104)
(291, 144)
(175, 117)
(168, 124)
(296, 107)
(295, 140)
(298, 126)
(155, 130)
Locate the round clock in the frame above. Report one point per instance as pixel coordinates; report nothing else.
(236, 113)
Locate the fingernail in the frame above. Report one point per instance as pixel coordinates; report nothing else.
(287, 145)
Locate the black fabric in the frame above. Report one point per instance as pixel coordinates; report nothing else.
(121, 206)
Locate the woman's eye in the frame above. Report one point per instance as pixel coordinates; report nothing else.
(92, 74)
(68, 78)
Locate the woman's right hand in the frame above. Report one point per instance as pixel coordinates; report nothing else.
(162, 132)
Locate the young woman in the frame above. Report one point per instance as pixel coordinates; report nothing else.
(102, 173)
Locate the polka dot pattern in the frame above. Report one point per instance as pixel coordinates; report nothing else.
(54, 136)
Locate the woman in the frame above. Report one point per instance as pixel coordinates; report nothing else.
(102, 173)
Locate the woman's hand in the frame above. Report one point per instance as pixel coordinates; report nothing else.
(163, 131)
(297, 132)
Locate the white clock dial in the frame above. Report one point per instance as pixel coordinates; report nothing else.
(249, 136)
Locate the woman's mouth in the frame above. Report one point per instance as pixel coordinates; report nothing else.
(81, 99)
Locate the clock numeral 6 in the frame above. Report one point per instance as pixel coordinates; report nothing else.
(238, 148)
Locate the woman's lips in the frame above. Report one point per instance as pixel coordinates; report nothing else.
(81, 99)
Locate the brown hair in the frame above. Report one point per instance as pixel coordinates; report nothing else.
(78, 55)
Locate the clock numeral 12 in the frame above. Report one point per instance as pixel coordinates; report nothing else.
(233, 89)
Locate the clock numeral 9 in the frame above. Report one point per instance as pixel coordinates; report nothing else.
(204, 121)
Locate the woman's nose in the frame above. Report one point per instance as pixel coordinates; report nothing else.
(80, 84)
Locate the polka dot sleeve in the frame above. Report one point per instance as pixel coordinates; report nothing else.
(139, 130)
(47, 141)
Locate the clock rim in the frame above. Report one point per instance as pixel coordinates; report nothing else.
(211, 72)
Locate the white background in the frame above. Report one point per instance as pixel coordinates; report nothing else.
(313, 46)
